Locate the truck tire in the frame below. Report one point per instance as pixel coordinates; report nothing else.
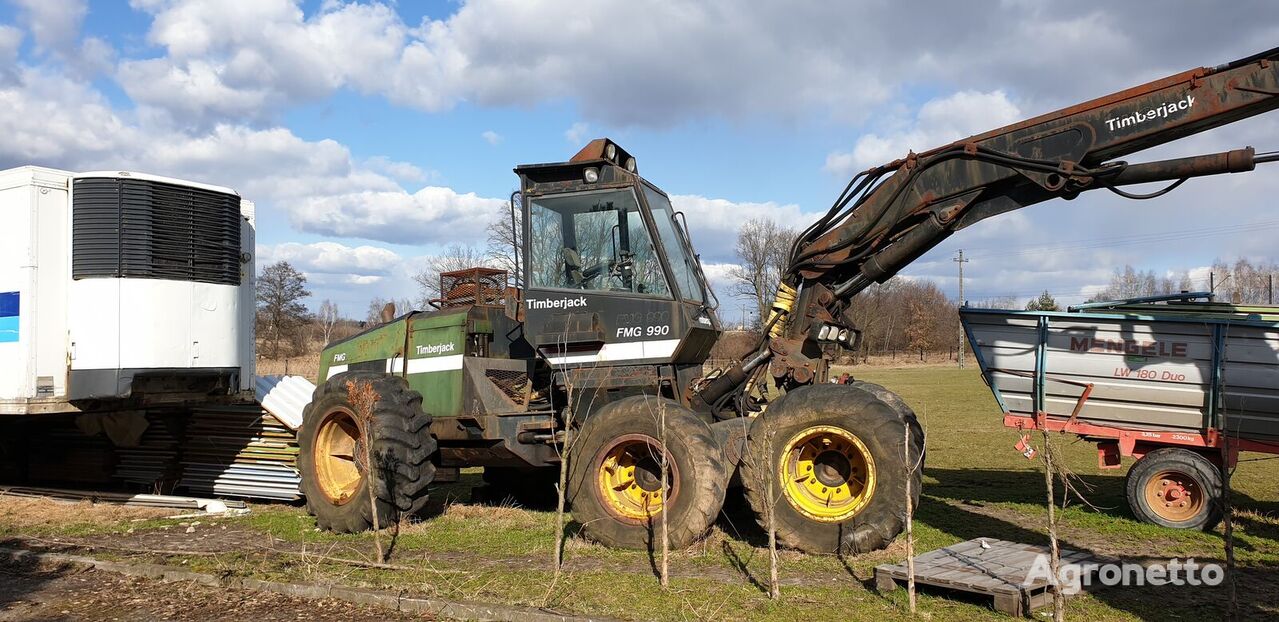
(1176, 488)
(334, 479)
(849, 440)
(615, 487)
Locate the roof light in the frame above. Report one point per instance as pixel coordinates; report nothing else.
(610, 151)
(844, 334)
(824, 333)
(591, 175)
(630, 164)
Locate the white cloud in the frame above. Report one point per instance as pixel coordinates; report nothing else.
(432, 214)
(318, 183)
(576, 134)
(55, 24)
(713, 223)
(938, 122)
(658, 64)
(402, 171)
(332, 258)
(491, 137)
(10, 42)
(244, 60)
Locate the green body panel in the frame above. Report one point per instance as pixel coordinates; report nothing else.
(430, 358)
(436, 347)
(378, 344)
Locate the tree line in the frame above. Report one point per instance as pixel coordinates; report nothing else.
(1240, 282)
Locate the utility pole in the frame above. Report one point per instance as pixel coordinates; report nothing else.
(961, 261)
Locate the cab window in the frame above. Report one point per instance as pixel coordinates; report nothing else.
(593, 241)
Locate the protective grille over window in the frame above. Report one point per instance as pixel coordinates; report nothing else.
(142, 229)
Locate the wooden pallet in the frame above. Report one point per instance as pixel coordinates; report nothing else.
(997, 569)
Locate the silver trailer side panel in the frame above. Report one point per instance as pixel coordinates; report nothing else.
(1147, 371)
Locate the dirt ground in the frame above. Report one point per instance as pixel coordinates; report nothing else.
(42, 592)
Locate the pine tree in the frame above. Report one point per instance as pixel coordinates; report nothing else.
(1045, 302)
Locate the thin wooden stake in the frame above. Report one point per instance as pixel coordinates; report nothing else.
(910, 534)
(664, 577)
(1059, 599)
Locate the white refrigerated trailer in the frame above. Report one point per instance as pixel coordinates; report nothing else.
(127, 310)
(119, 288)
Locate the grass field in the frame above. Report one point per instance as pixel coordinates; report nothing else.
(975, 485)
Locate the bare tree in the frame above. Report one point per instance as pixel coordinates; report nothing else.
(378, 304)
(363, 398)
(1129, 282)
(664, 575)
(759, 476)
(762, 249)
(1051, 472)
(280, 292)
(505, 235)
(919, 332)
(454, 257)
(327, 318)
(912, 463)
(997, 302)
(374, 316)
(770, 516)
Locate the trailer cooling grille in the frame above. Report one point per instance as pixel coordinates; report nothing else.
(143, 229)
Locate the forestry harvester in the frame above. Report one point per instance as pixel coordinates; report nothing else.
(606, 336)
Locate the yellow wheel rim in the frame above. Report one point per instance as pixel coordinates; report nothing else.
(827, 474)
(337, 446)
(629, 477)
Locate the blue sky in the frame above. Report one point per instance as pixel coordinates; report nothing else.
(371, 135)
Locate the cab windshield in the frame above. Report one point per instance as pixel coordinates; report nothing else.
(685, 268)
(593, 241)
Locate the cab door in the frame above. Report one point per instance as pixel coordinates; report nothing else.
(598, 292)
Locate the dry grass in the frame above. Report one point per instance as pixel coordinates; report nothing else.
(307, 366)
(21, 513)
(905, 360)
(494, 517)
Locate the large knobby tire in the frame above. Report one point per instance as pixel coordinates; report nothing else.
(1175, 488)
(334, 478)
(834, 455)
(615, 487)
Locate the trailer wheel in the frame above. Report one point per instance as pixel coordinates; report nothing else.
(330, 445)
(1175, 487)
(615, 486)
(834, 457)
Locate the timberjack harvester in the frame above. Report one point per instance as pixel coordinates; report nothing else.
(612, 322)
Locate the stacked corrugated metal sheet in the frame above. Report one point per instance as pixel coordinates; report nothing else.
(154, 461)
(66, 454)
(285, 397)
(240, 451)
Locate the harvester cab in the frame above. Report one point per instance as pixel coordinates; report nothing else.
(611, 278)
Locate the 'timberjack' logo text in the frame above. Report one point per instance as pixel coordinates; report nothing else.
(558, 303)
